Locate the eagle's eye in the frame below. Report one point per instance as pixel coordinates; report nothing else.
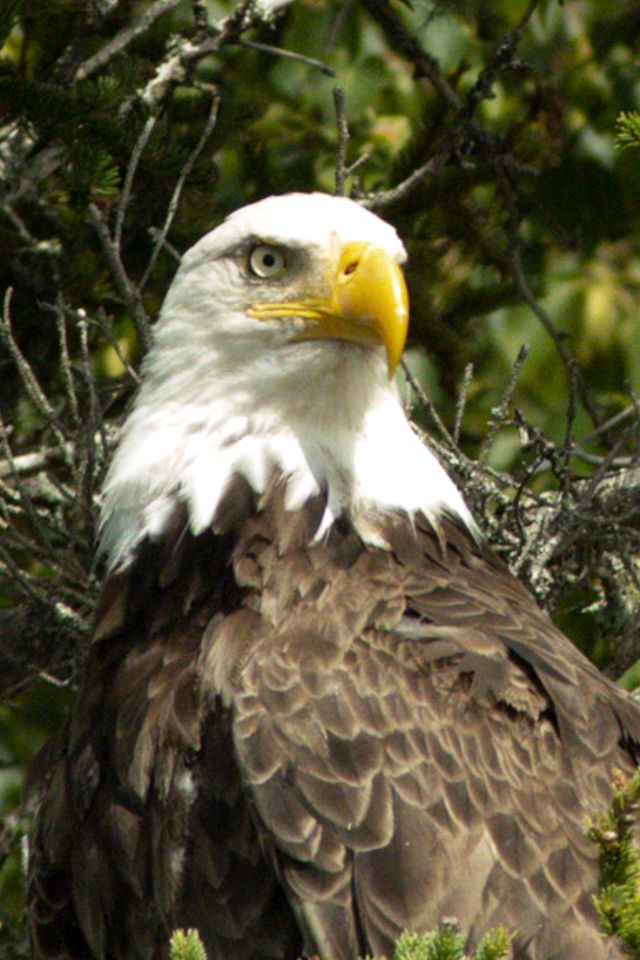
(266, 261)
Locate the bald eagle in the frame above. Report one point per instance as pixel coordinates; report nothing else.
(317, 710)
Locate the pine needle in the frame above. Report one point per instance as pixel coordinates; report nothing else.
(186, 945)
(628, 130)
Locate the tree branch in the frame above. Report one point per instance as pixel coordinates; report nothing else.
(124, 38)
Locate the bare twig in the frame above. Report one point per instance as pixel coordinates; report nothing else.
(357, 164)
(462, 402)
(499, 413)
(124, 38)
(401, 40)
(93, 428)
(65, 363)
(128, 291)
(501, 60)
(462, 132)
(34, 391)
(134, 160)
(343, 138)
(510, 196)
(544, 318)
(21, 496)
(107, 332)
(563, 473)
(599, 461)
(426, 404)
(28, 462)
(21, 228)
(51, 559)
(156, 234)
(288, 55)
(610, 423)
(337, 24)
(28, 584)
(177, 191)
(183, 55)
(386, 198)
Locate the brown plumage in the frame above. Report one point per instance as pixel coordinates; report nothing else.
(312, 716)
(267, 748)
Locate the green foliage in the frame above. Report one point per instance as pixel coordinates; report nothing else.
(186, 945)
(443, 943)
(618, 900)
(447, 943)
(495, 945)
(628, 130)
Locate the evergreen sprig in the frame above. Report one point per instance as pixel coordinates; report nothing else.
(447, 943)
(618, 900)
(186, 945)
(443, 943)
(628, 130)
(495, 945)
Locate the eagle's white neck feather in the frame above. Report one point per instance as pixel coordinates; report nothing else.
(222, 399)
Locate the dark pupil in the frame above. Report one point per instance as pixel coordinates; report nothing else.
(268, 260)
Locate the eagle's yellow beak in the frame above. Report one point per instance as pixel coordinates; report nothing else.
(368, 303)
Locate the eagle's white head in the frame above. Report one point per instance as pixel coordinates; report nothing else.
(274, 351)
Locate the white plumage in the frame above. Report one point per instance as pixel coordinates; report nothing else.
(226, 394)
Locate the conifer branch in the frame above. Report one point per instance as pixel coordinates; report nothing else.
(124, 38)
(186, 945)
(618, 899)
(628, 130)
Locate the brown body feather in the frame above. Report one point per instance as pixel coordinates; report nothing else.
(304, 747)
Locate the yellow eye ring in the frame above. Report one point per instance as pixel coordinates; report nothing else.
(266, 261)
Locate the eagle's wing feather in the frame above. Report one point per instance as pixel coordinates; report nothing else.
(385, 736)
(143, 824)
(436, 763)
